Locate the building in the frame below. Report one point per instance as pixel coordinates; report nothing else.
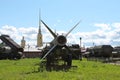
(31, 52)
(39, 35)
(23, 42)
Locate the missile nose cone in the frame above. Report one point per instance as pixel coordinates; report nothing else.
(61, 40)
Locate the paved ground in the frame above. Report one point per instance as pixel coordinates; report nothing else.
(115, 63)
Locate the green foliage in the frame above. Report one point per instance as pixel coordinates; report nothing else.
(27, 69)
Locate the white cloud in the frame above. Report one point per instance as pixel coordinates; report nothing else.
(30, 30)
(103, 26)
(8, 30)
(116, 25)
(104, 34)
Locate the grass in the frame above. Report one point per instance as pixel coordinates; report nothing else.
(26, 69)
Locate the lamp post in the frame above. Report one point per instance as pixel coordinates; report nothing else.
(80, 41)
(80, 55)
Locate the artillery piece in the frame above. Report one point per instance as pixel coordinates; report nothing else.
(57, 52)
(10, 49)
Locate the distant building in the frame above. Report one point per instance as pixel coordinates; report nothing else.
(32, 52)
(39, 35)
(39, 40)
(23, 42)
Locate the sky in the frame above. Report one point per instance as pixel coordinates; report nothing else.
(100, 20)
